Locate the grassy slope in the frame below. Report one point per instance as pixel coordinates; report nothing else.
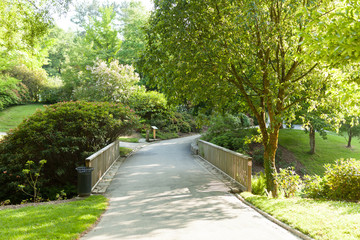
(325, 220)
(327, 151)
(59, 221)
(13, 116)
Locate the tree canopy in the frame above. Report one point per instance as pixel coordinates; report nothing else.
(223, 49)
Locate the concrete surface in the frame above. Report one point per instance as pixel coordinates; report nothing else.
(162, 192)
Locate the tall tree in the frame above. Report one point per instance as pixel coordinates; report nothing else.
(133, 19)
(211, 49)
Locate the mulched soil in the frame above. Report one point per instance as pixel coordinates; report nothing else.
(287, 159)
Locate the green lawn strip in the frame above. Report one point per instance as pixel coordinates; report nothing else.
(13, 116)
(325, 220)
(124, 151)
(327, 151)
(131, 140)
(53, 221)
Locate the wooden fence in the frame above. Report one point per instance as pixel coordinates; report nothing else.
(235, 165)
(102, 160)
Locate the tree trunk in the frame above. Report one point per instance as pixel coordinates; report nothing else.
(312, 140)
(269, 163)
(350, 137)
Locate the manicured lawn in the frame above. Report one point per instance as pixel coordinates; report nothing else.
(325, 220)
(58, 221)
(13, 116)
(131, 140)
(327, 151)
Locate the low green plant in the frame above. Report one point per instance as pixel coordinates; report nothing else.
(289, 182)
(32, 174)
(64, 134)
(341, 181)
(313, 186)
(258, 184)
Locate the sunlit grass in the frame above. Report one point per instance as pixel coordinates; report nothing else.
(325, 220)
(13, 116)
(124, 151)
(327, 151)
(131, 140)
(53, 221)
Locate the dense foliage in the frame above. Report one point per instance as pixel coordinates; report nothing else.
(341, 181)
(12, 92)
(251, 49)
(230, 131)
(64, 135)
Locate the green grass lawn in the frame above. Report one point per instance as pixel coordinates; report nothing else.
(327, 151)
(13, 116)
(128, 139)
(325, 220)
(53, 221)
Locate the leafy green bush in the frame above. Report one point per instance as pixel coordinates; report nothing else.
(64, 134)
(221, 124)
(33, 79)
(228, 131)
(258, 184)
(313, 186)
(148, 105)
(289, 182)
(153, 108)
(341, 181)
(12, 92)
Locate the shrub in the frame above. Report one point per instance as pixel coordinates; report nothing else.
(153, 108)
(33, 79)
(108, 82)
(289, 182)
(341, 181)
(64, 134)
(149, 105)
(224, 123)
(258, 184)
(313, 186)
(12, 92)
(228, 131)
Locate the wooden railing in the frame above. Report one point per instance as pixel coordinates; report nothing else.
(235, 165)
(102, 160)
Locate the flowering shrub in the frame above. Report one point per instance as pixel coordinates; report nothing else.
(113, 82)
(64, 134)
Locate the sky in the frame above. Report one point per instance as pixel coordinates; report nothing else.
(65, 23)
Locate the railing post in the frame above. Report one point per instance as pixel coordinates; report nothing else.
(249, 170)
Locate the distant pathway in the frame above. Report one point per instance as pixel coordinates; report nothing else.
(161, 192)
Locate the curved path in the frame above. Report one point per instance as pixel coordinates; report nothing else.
(161, 192)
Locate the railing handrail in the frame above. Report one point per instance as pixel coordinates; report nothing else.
(239, 170)
(226, 150)
(94, 155)
(102, 161)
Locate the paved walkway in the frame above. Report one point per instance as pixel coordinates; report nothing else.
(162, 192)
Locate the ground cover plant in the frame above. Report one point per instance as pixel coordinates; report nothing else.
(328, 150)
(64, 134)
(11, 117)
(320, 219)
(51, 221)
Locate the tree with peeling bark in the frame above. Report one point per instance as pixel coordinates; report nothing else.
(220, 50)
